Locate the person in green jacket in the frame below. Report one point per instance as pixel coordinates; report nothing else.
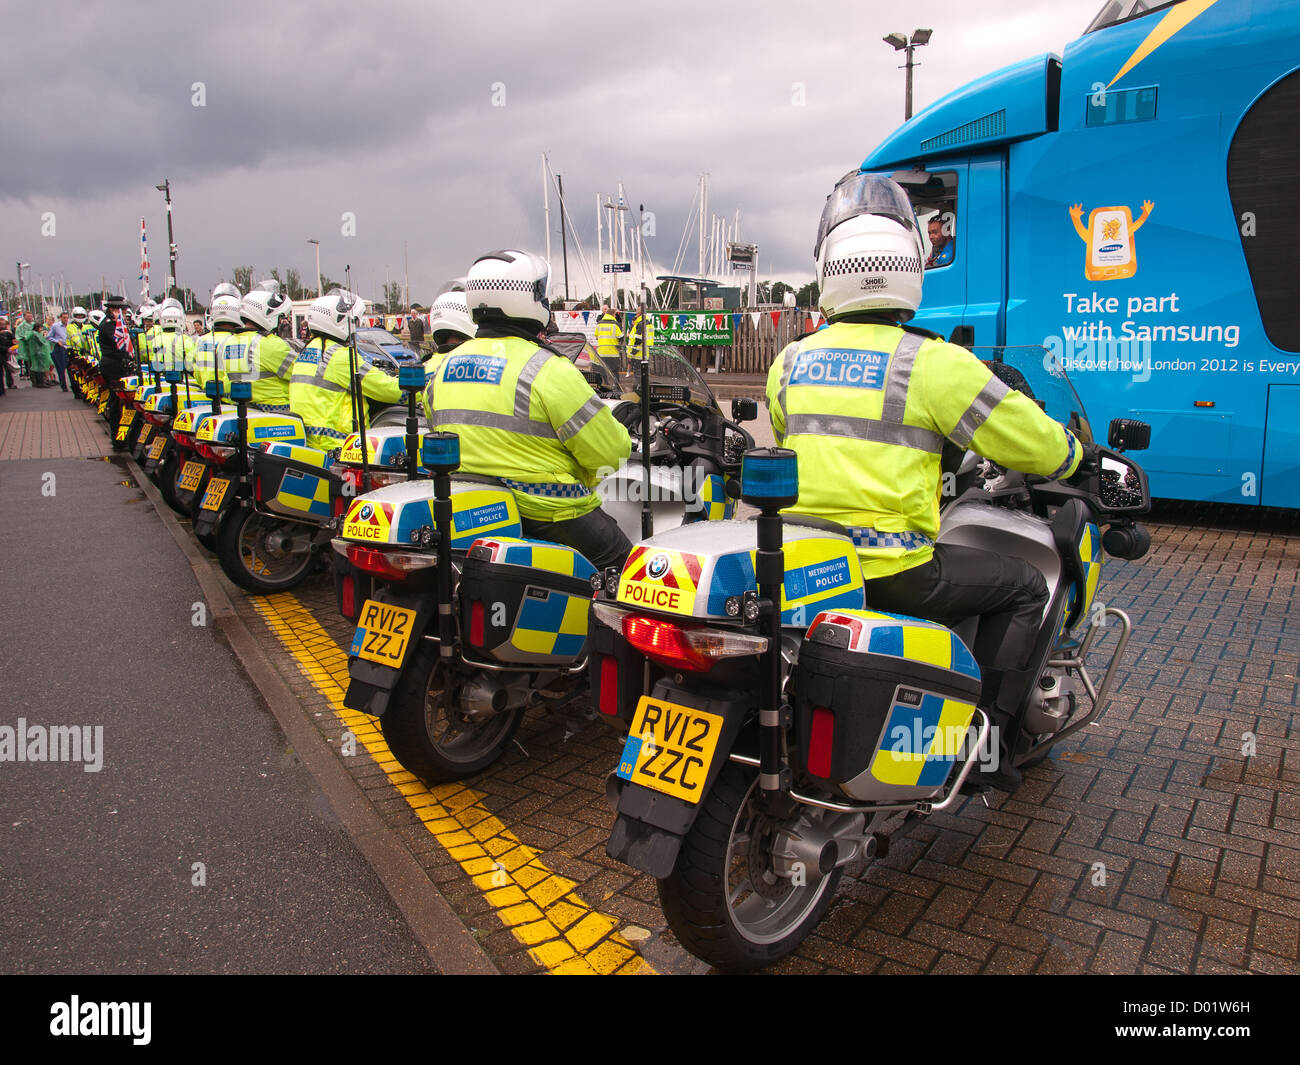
(34, 349)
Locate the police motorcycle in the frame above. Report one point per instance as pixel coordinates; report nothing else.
(776, 722)
(275, 503)
(453, 647)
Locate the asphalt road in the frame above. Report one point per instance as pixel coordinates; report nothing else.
(202, 844)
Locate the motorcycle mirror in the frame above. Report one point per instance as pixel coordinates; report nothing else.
(1128, 434)
(744, 409)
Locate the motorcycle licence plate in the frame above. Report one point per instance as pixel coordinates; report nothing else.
(670, 748)
(143, 442)
(156, 448)
(191, 475)
(383, 633)
(124, 427)
(215, 494)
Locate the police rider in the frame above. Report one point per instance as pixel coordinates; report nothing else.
(525, 414)
(867, 404)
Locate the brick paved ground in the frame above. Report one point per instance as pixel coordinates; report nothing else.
(1200, 844)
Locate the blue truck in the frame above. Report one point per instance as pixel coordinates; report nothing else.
(1134, 208)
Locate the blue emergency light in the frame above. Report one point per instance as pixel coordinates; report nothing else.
(241, 390)
(410, 377)
(769, 477)
(440, 452)
(212, 389)
(172, 376)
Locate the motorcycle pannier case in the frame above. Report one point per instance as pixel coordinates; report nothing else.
(884, 704)
(294, 481)
(525, 601)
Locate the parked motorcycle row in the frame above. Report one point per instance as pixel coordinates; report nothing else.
(774, 722)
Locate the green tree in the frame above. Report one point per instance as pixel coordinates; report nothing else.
(243, 276)
(808, 295)
(293, 283)
(779, 289)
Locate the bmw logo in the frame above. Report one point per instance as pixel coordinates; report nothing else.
(366, 511)
(658, 566)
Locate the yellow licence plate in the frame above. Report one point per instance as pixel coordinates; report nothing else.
(128, 416)
(215, 494)
(156, 448)
(191, 475)
(383, 633)
(670, 748)
(124, 428)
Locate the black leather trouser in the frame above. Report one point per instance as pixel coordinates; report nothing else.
(596, 536)
(1007, 594)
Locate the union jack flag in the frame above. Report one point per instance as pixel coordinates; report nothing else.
(122, 335)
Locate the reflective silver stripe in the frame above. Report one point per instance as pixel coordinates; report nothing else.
(286, 367)
(507, 422)
(578, 422)
(524, 384)
(318, 382)
(900, 375)
(978, 412)
(787, 368)
(867, 429)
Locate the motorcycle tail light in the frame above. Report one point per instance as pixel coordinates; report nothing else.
(215, 452)
(349, 597)
(476, 623)
(388, 565)
(695, 649)
(821, 742)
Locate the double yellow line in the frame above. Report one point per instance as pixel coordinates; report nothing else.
(541, 908)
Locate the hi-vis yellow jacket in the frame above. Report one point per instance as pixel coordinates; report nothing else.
(867, 408)
(207, 361)
(320, 390)
(527, 415)
(634, 348)
(608, 335)
(265, 361)
(173, 349)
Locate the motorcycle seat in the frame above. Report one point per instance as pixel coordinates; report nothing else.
(809, 522)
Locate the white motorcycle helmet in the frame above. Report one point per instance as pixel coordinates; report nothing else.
(329, 314)
(96, 317)
(449, 317)
(869, 252)
(170, 301)
(509, 284)
(172, 317)
(265, 308)
(78, 313)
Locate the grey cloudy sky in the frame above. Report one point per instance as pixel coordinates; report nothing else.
(386, 110)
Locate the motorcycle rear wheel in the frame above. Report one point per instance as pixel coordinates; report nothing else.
(167, 473)
(722, 900)
(250, 561)
(426, 731)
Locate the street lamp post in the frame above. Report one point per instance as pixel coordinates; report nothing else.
(312, 240)
(901, 44)
(21, 294)
(166, 189)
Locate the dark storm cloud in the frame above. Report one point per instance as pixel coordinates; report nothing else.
(387, 111)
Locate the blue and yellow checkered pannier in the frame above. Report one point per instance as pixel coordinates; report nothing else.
(884, 704)
(294, 480)
(525, 601)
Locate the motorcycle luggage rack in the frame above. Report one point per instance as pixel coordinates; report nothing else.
(1078, 663)
(924, 807)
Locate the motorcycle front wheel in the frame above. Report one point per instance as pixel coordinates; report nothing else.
(256, 552)
(428, 732)
(723, 901)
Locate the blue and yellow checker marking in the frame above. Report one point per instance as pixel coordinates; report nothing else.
(712, 503)
(921, 742)
(1090, 561)
(475, 514)
(819, 575)
(540, 554)
(555, 625)
(298, 453)
(305, 493)
(919, 641)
